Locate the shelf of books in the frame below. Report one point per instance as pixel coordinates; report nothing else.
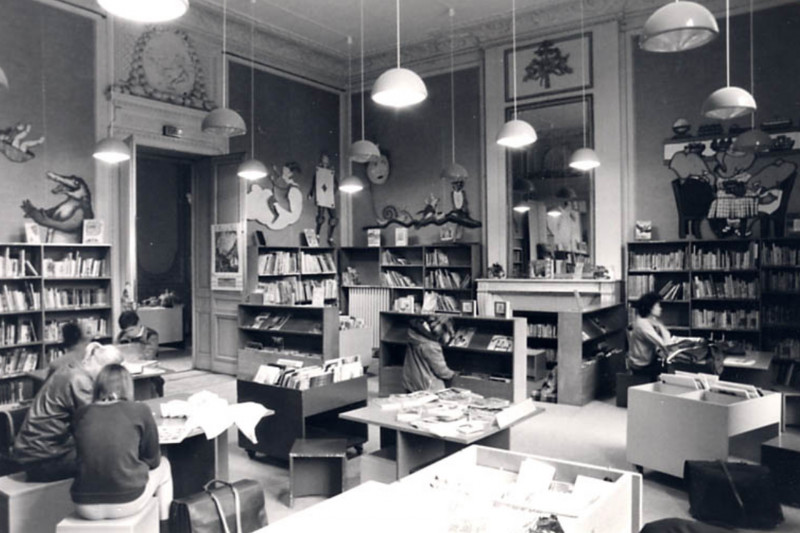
(422, 278)
(741, 289)
(488, 354)
(292, 275)
(43, 286)
(306, 393)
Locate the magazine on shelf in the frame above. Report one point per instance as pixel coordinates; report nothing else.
(501, 343)
(463, 337)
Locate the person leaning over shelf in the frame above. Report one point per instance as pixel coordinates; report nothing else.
(74, 344)
(133, 331)
(649, 338)
(424, 367)
(119, 462)
(44, 447)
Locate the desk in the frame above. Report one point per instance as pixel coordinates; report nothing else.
(753, 368)
(417, 447)
(143, 383)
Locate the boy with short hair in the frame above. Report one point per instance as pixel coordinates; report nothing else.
(133, 331)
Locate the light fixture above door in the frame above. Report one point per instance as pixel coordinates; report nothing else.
(515, 133)
(399, 87)
(223, 120)
(677, 27)
(146, 10)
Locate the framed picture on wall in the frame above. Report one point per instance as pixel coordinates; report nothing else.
(549, 67)
(227, 258)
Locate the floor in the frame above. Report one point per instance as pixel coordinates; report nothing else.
(594, 433)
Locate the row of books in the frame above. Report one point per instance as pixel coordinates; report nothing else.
(17, 332)
(16, 267)
(277, 263)
(51, 354)
(728, 287)
(92, 327)
(392, 278)
(292, 291)
(777, 255)
(447, 279)
(711, 383)
(317, 263)
(433, 302)
(543, 331)
(657, 261)
(725, 319)
(75, 266)
(389, 258)
(436, 257)
(270, 321)
(17, 361)
(293, 375)
(66, 298)
(788, 348)
(782, 281)
(782, 314)
(19, 299)
(725, 259)
(12, 392)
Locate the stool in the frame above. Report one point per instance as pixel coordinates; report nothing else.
(782, 456)
(626, 380)
(29, 506)
(145, 521)
(316, 467)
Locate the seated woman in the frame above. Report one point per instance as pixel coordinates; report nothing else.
(649, 338)
(424, 367)
(119, 461)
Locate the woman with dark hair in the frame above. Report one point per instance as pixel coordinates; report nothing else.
(649, 338)
(424, 367)
(119, 462)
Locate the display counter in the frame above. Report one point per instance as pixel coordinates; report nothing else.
(547, 294)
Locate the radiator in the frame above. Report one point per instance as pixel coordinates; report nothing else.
(367, 303)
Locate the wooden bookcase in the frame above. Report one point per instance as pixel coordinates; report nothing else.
(287, 273)
(487, 372)
(309, 330)
(417, 270)
(577, 337)
(43, 286)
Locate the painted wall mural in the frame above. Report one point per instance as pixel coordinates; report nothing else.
(276, 201)
(64, 221)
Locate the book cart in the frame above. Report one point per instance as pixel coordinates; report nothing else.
(310, 335)
(498, 373)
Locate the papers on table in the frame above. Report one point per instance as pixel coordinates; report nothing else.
(137, 367)
(172, 434)
(213, 415)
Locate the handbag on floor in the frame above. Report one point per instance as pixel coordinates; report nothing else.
(732, 494)
(221, 507)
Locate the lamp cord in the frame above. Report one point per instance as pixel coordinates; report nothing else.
(397, 4)
(350, 96)
(514, 51)
(583, 76)
(728, 42)
(752, 71)
(452, 91)
(252, 82)
(44, 83)
(224, 48)
(361, 42)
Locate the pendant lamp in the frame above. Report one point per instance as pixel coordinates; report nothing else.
(224, 121)
(252, 169)
(399, 87)
(363, 151)
(755, 139)
(583, 159)
(111, 150)
(453, 171)
(521, 207)
(515, 133)
(351, 184)
(146, 10)
(728, 102)
(677, 27)
(3, 79)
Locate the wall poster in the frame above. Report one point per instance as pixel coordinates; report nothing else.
(227, 261)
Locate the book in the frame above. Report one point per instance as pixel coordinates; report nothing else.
(32, 233)
(462, 337)
(93, 231)
(401, 237)
(374, 237)
(311, 237)
(501, 343)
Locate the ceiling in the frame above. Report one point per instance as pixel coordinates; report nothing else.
(327, 23)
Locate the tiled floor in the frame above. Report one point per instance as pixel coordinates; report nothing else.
(593, 434)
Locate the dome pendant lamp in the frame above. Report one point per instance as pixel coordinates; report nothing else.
(399, 87)
(363, 151)
(678, 26)
(754, 140)
(515, 133)
(224, 121)
(110, 150)
(252, 169)
(583, 159)
(351, 184)
(146, 10)
(454, 171)
(728, 102)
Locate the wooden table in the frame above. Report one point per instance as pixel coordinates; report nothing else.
(753, 368)
(417, 447)
(143, 386)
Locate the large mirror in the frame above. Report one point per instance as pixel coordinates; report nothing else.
(553, 204)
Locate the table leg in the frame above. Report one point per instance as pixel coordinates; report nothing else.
(414, 451)
(221, 456)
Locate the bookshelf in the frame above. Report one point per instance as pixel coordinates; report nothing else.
(288, 275)
(43, 286)
(742, 289)
(313, 331)
(440, 274)
(488, 372)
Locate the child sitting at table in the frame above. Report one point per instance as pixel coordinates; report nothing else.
(119, 461)
(134, 332)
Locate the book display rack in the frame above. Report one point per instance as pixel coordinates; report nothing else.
(488, 354)
(42, 287)
(289, 275)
